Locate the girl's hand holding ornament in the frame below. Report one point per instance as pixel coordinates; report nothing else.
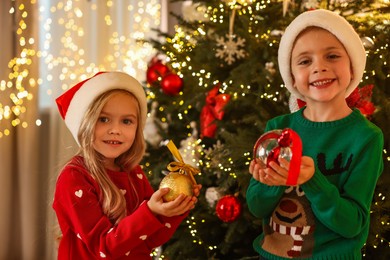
(178, 206)
(178, 191)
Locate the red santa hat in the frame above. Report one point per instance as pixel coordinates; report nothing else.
(335, 24)
(73, 104)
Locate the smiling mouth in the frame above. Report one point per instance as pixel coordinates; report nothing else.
(112, 142)
(321, 83)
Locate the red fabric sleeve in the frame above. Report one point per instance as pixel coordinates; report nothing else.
(170, 224)
(87, 231)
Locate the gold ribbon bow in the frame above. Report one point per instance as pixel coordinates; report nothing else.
(180, 166)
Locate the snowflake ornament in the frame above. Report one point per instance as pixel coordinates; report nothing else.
(311, 4)
(229, 48)
(270, 67)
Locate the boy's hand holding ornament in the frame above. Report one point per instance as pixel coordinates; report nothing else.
(277, 144)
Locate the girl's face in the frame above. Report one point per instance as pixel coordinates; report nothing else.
(116, 127)
(321, 67)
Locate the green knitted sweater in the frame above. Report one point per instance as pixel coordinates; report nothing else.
(328, 217)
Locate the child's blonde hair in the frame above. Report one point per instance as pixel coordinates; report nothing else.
(112, 200)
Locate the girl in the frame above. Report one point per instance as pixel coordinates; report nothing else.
(327, 215)
(105, 206)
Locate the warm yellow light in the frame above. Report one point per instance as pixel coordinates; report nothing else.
(72, 59)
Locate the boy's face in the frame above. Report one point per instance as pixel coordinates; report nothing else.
(320, 66)
(116, 127)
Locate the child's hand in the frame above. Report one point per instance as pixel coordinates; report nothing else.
(276, 175)
(172, 208)
(197, 188)
(256, 168)
(307, 169)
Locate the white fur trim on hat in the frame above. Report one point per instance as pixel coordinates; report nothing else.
(335, 24)
(90, 89)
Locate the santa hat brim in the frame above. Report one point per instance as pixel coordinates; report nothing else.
(335, 24)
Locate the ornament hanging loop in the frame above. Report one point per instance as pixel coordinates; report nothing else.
(231, 22)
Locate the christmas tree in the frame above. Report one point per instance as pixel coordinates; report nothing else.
(213, 87)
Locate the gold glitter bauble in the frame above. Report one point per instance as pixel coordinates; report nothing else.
(177, 184)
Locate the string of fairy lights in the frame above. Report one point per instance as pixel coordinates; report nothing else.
(15, 85)
(64, 52)
(183, 41)
(71, 61)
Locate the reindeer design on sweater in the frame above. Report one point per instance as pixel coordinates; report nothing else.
(290, 231)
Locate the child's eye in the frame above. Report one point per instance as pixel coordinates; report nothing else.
(303, 62)
(333, 56)
(103, 119)
(127, 121)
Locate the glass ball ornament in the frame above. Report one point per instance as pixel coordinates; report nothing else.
(368, 42)
(171, 84)
(276, 144)
(273, 145)
(156, 71)
(178, 184)
(228, 208)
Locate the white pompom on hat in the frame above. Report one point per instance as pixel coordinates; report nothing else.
(74, 103)
(335, 24)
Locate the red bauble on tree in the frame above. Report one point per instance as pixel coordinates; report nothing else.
(228, 208)
(155, 71)
(171, 84)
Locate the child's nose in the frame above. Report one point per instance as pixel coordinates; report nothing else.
(114, 128)
(319, 66)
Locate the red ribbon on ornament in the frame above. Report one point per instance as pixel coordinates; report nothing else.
(288, 138)
(180, 166)
(295, 162)
(213, 110)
